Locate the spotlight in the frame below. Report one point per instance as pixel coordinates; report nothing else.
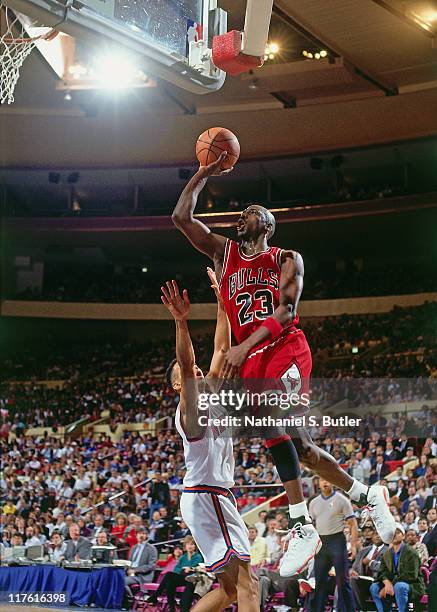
(323, 53)
(274, 47)
(305, 53)
(144, 269)
(77, 71)
(317, 55)
(310, 55)
(116, 71)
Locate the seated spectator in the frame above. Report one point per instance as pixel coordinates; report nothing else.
(78, 548)
(56, 548)
(274, 548)
(6, 538)
(367, 563)
(31, 538)
(294, 588)
(96, 528)
(169, 564)
(128, 503)
(156, 526)
(182, 530)
(412, 539)
(431, 500)
(399, 576)
(430, 540)
(143, 557)
(258, 548)
(379, 471)
(119, 528)
(177, 578)
(261, 524)
(412, 496)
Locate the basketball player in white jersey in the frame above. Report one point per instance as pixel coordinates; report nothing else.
(207, 505)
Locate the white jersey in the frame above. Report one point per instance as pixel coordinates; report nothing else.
(209, 460)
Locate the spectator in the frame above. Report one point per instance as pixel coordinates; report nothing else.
(31, 538)
(412, 539)
(177, 578)
(430, 540)
(119, 528)
(274, 548)
(431, 500)
(380, 470)
(143, 557)
(97, 528)
(78, 548)
(399, 576)
(366, 564)
(258, 548)
(56, 548)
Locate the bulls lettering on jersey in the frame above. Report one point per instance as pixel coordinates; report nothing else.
(249, 287)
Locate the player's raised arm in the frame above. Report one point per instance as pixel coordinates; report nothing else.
(290, 290)
(197, 232)
(222, 338)
(179, 307)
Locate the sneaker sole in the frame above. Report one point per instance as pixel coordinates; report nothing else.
(386, 499)
(305, 565)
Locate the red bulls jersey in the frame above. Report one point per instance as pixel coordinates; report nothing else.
(249, 287)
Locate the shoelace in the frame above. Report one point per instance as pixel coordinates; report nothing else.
(366, 513)
(295, 532)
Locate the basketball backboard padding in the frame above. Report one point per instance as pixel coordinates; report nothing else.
(226, 54)
(81, 21)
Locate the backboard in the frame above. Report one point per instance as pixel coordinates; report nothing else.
(172, 37)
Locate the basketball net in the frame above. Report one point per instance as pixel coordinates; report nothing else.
(15, 46)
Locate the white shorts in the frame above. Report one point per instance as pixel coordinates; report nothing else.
(216, 525)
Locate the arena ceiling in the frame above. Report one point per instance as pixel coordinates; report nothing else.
(379, 86)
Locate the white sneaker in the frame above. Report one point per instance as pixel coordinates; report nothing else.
(379, 511)
(303, 545)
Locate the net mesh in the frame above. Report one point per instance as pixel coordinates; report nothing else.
(15, 46)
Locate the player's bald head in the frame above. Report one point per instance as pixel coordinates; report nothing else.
(269, 218)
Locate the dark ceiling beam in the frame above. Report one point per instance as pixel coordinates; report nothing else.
(404, 18)
(286, 100)
(333, 50)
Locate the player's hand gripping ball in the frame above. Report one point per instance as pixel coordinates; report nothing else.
(211, 144)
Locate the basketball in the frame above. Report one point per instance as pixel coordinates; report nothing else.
(212, 142)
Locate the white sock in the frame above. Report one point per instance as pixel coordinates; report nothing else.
(357, 489)
(297, 510)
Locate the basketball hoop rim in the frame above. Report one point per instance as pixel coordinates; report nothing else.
(22, 41)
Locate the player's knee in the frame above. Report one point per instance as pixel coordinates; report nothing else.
(310, 455)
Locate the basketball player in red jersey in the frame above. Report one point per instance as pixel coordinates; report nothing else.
(261, 288)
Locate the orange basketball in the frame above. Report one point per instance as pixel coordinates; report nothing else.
(213, 142)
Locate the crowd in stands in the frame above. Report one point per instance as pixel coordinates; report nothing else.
(57, 491)
(64, 494)
(105, 286)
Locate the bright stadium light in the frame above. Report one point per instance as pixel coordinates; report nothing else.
(116, 71)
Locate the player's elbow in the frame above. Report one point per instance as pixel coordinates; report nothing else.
(177, 219)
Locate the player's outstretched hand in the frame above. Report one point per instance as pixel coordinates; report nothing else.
(178, 305)
(215, 285)
(214, 169)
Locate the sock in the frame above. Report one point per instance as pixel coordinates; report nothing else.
(357, 491)
(299, 513)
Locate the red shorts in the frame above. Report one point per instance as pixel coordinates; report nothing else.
(273, 359)
(281, 366)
